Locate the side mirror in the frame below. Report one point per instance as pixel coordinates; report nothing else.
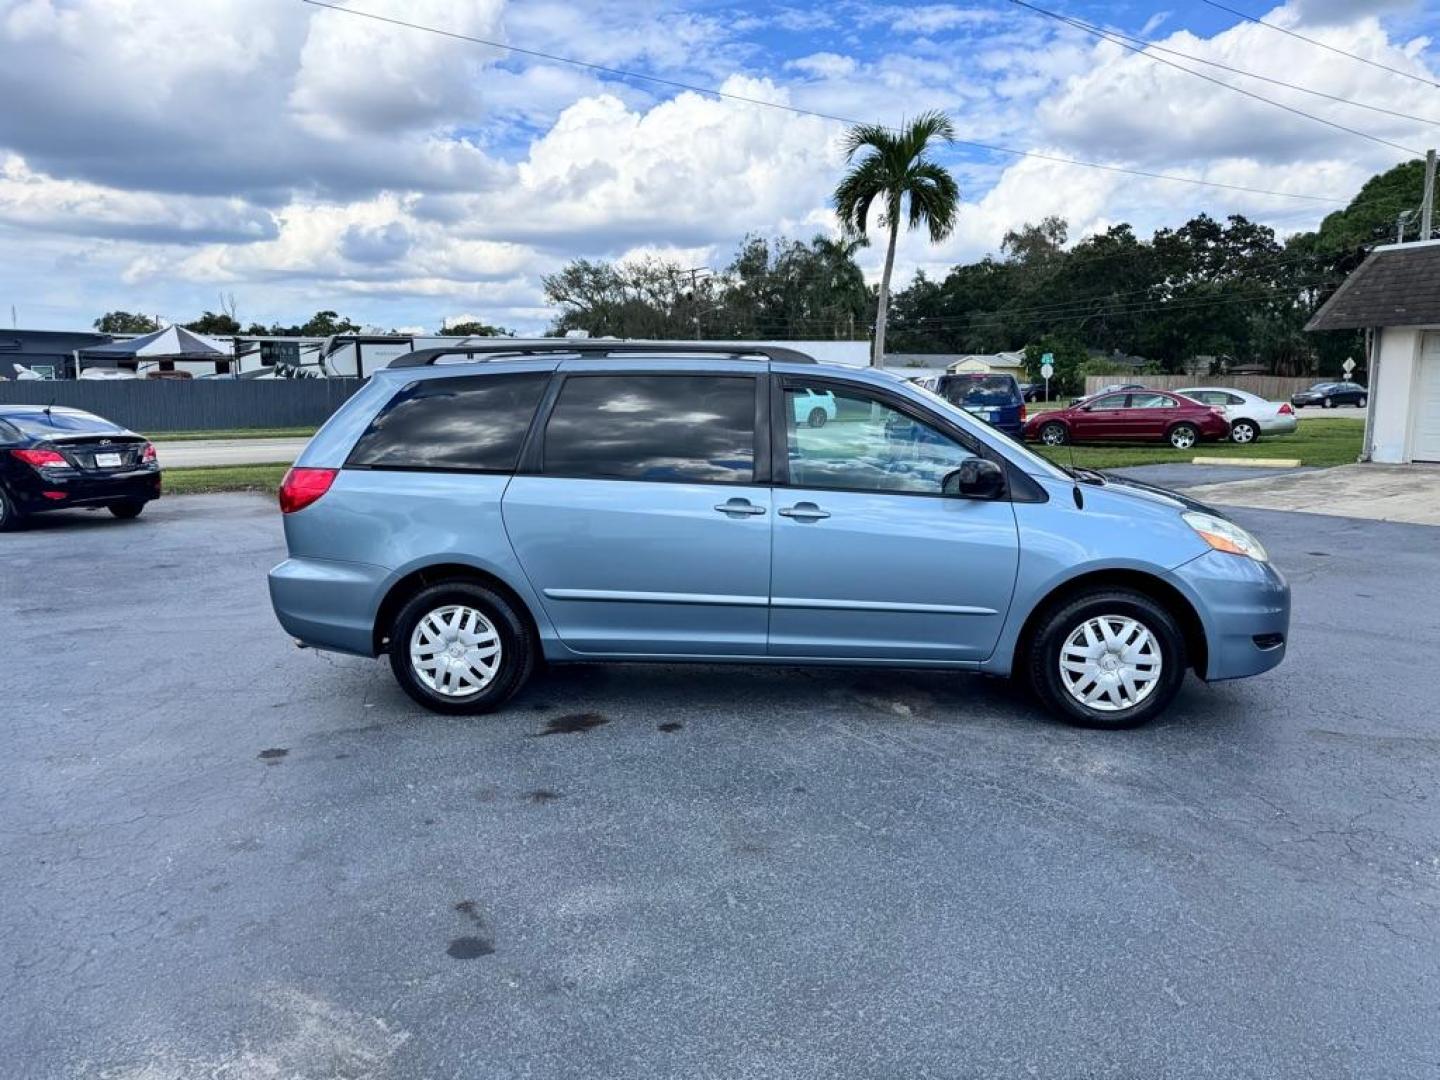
(977, 478)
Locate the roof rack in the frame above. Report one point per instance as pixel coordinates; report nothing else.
(588, 347)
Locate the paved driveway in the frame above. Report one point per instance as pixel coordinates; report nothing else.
(228, 858)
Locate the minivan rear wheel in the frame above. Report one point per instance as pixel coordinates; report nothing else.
(456, 647)
(1110, 658)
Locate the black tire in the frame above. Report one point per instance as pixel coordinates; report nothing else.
(1183, 437)
(1244, 431)
(127, 510)
(1056, 627)
(517, 647)
(1054, 433)
(1328, 403)
(817, 417)
(11, 517)
(1361, 401)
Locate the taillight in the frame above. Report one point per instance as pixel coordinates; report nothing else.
(1022, 412)
(147, 457)
(301, 487)
(40, 458)
(1286, 410)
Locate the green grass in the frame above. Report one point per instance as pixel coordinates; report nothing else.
(236, 433)
(215, 478)
(1328, 441)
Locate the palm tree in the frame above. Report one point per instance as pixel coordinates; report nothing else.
(896, 171)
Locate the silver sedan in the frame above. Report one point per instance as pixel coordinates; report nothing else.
(1250, 415)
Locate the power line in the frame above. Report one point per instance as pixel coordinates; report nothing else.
(1107, 36)
(1331, 48)
(727, 95)
(1092, 28)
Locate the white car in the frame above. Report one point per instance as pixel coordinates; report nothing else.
(1250, 415)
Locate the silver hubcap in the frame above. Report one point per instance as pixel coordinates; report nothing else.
(1110, 663)
(1243, 433)
(1053, 435)
(1182, 439)
(455, 651)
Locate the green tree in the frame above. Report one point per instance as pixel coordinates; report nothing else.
(123, 322)
(211, 323)
(474, 328)
(895, 170)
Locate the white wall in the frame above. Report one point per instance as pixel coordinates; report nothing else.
(1398, 352)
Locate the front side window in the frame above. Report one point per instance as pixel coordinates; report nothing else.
(1111, 401)
(472, 423)
(869, 446)
(669, 428)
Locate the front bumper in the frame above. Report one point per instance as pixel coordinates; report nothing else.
(1245, 608)
(329, 604)
(43, 490)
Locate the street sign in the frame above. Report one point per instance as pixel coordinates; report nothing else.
(1348, 366)
(1046, 370)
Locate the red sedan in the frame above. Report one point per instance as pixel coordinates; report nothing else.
(1133, 416)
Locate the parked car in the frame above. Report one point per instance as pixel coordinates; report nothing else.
(1329, 395)
(1032, 391)
(1250, 415)
(56, 458)
(1134, 416)
(994, 398)
(621, 501)
(815, 409)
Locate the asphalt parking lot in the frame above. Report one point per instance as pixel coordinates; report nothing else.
(225, 857)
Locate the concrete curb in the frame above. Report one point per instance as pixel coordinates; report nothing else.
(1250, 463)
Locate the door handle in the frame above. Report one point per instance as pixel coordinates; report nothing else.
(804, 511)
(739, 506)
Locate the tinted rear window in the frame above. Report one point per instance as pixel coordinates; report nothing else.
(470, 422)
(58, 422)
(678, 428)
(982, 390)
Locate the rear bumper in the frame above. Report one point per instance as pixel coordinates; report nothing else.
(38, 492)
(1279, 425)
(1245, 608)
(329, 604)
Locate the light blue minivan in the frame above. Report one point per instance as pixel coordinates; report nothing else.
(473, 510)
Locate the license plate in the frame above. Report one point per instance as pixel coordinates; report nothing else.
(107, 461)
(982, 412)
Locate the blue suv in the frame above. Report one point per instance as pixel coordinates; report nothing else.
(471, 511)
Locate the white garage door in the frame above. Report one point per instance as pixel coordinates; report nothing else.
(1425, 444)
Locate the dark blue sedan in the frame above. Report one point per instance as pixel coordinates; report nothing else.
(52, 458)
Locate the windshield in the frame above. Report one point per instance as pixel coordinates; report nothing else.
(1017, 451)
(41, 425)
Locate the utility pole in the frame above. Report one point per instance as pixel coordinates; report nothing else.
(695, 272)
(1428, 206)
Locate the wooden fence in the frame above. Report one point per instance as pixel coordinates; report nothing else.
(1270, 387)
(155, 405)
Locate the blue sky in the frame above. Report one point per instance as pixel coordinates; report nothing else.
(155, 156)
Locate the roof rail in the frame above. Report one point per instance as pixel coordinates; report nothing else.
(589, 347)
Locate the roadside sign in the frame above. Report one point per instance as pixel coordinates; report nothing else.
(1047, 368)
(1348, 367)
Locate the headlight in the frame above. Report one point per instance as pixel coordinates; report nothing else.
(1225, 535)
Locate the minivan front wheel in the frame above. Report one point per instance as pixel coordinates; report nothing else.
(459, 648)
(1111, 658)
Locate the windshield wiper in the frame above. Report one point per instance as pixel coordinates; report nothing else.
(1088, 476)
